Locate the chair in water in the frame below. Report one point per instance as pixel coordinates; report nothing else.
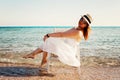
(49, 54)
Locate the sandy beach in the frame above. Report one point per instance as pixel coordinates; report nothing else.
(59, 71)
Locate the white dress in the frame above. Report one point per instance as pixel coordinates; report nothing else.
(65, 48)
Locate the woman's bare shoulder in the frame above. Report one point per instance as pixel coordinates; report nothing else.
(79, 33)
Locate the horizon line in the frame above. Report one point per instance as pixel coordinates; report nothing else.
(35, 26)
(56, 25)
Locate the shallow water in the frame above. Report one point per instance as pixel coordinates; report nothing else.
(104, 41)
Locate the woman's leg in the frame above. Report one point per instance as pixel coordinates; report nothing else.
(32, 55)
(44, 59)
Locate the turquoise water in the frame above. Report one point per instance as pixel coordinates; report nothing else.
(104, 40)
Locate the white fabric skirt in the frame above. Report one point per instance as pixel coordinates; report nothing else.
(64, 48)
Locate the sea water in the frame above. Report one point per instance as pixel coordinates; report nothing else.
(104, 41)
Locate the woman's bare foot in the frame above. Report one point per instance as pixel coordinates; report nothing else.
(43, 67)
(29, 56)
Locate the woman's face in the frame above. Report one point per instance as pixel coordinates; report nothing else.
(82, 23)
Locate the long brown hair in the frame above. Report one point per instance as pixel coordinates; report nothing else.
(86, 32)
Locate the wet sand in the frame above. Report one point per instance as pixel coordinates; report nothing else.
(59, 71)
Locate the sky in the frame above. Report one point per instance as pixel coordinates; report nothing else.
(58, 12)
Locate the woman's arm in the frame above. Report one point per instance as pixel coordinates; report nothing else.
(71, 34)
(67, 34)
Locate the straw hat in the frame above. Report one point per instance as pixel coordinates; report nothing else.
(88, 18)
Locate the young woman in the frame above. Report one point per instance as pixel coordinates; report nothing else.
(63, 44)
